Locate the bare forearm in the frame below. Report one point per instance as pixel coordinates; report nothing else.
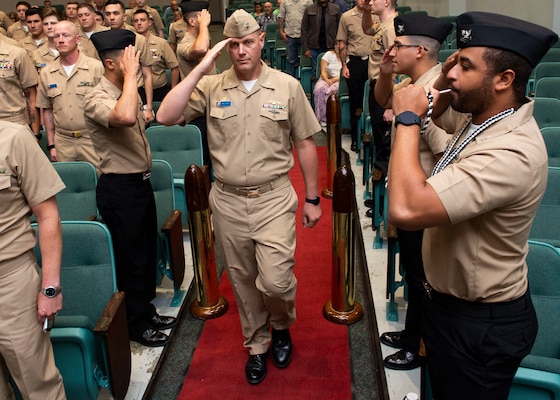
(308, 161)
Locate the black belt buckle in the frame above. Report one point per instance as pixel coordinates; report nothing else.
(146, 175)
(428, 288)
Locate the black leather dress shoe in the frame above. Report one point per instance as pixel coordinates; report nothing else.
(162, 322)
(281, 347)
(369, 203)
(391, 339)
(402, 360)
(354, 147)
(369, 213)
(255, 369)
(151, 338)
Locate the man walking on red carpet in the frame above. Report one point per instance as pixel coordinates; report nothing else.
(254, 115)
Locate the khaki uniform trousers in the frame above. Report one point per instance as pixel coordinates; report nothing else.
(25, 351)
(75, 149)
(255, 237)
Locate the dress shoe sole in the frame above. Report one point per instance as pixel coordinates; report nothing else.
(149, 343)
(403, 367)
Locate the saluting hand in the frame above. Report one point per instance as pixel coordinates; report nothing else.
(386, 63)
(130, 61)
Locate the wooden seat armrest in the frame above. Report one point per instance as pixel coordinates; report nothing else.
(112, 326)
(173, 230)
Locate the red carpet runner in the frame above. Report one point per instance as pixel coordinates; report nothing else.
(320, 367)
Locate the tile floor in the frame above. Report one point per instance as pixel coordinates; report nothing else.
(400, 383)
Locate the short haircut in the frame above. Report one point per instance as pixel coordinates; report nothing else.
(113, 54)
(73, 2)
(498, 60)
(86, 5)
(117, 2)
(32, 11)
(142, 11)
(431, 45)
(50, 12)
(23, 3)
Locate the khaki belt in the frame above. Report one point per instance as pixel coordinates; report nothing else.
(253, 191)
(74, 134)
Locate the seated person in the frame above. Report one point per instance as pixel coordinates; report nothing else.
(327, 83)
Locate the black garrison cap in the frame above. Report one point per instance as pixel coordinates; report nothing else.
(192, 6)
(523, 38)
(113, 39)
(422, 25)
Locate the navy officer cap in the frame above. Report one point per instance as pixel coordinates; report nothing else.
(192, 6)
(422, 25)
(481, 29)
(113, 39)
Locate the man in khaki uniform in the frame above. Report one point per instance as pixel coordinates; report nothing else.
(264, 112)
(162, 56)
(63, 86)
(18, 86)
(414, 53)
(354, 46)
(196, 40)
(28, 185)
(383, 33)
(478, 321)
(87, 27)
(71, 12)
(36, 37)
(115, 14)
(125, 197)
(157, 26)
(47, 53)
(19, 29)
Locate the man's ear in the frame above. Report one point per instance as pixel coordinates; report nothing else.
(504, 80)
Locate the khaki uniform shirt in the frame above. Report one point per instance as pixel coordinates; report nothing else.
(16, 74)
(435, 139)
(177, 31)
(491, 194)
(86, 45)
(27, 179)
(65, 94)
(163, 58)
(186, 62)
(145, 58)
(250, 135)
(18, 31)
(121, 150)
(291, 11)
(382, 39)
(30, 45)
(156, 26)
(350, 32)
(42, 57)
(5, 23)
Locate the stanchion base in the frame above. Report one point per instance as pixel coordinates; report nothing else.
(327, 194)
(342, 317)
(210, 312)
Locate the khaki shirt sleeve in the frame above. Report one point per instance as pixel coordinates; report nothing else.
(26, 71)
(169, 57)
(98, 106)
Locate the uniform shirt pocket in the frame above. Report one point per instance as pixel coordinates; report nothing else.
(274, 121)
(223, 121)
(54, 92)
(5, 181)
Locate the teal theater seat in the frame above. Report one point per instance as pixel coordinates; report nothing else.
(551, 136)
(90, 334)
(547, 111)
(170, 248)
(180, 146)
(546, 224)
(77, 202)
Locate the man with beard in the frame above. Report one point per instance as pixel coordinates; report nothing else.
(252, 200)
(478, 321)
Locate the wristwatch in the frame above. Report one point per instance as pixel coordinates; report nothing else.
(314, 201)
(408, 118)
(39, 136)
(51, 291)
(50, 146)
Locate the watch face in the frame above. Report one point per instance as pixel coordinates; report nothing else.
(50, 292)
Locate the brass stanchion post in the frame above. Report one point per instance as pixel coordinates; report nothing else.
(208, 303)
(333, 142)
(343, 307)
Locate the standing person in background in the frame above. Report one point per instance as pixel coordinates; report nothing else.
(125, 197)
(354, 50)
(157, 25)
(289, 24)
(318, 30)
(477, 207)
(331, 64)
(172, 9)
(47, 53)
(267, 16)
(177, 30)
(383, 33)
(252, 200)
(71, 12)
(62, 88)
(36, 37)
(29, 295)
(87, 27)
(414, 53)
(162, 56)
(19, 30)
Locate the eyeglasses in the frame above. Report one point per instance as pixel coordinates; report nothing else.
(398, 45)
